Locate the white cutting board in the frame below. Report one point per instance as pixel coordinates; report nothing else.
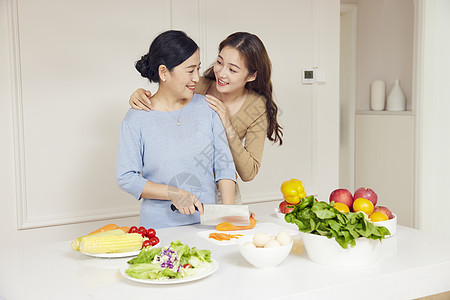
(269, 228)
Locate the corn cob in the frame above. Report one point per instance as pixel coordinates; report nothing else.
(111, 243)
(76, 242)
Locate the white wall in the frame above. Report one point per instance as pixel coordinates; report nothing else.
(433, 122)
(67, 72)
(347, 92)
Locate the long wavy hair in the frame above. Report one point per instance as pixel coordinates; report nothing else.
(252, 49)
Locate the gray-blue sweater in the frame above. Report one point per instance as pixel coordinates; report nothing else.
(192, 156)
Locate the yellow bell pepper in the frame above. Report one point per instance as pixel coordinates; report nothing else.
(293, 191)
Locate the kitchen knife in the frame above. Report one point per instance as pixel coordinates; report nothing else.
(238, 215)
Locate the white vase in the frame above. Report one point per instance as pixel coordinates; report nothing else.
(396, 99)
(377, 95)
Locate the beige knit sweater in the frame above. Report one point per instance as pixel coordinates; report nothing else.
(250, 124)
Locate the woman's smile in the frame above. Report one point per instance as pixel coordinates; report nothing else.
(221, 82)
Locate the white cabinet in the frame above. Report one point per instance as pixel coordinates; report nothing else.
(384, 159)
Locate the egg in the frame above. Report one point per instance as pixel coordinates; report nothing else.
(284, 238)
(249, 245)
(260, 239)
(272, 243)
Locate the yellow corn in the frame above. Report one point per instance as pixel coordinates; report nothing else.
(76, 242)
(111, 243)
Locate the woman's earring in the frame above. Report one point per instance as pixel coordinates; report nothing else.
(164, 79)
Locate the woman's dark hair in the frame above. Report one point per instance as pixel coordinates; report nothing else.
(257, 60)
(170, 48)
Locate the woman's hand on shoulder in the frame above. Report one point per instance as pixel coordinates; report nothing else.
(220, 108)
(224, 114)
(140, 100)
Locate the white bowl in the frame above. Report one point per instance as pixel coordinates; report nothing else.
(263, 257)
(279, 214)
(391, 225)
(328, 252)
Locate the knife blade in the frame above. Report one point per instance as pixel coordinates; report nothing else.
(238, 215)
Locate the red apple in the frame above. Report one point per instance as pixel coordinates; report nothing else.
(384, 210)
(284, 209)
(342, 196)
(366, 193)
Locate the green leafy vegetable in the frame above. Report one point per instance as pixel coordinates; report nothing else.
(186, 254)
(145, 256)
(144, 271)
(322, 218)
(202, 255)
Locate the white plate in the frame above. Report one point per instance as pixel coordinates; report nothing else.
(202, 274)
(269, 228)
(115, 255)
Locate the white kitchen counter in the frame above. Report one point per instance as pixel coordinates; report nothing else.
(414, 264)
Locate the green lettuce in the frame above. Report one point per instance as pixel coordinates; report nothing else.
(202, 255)
(322, 218)
(145, 256)
(187, 254)
(144, 271)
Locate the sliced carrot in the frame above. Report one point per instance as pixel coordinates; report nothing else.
(236, 236)
(106, 228)
(230, 227)
(223, 236)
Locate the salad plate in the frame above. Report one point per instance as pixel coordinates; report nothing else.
(115, 255)
(202, 273)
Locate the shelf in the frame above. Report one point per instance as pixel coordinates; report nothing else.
(385, 112)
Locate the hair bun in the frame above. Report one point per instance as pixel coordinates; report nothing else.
(145, 68)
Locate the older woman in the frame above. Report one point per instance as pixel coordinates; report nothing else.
(177, 152)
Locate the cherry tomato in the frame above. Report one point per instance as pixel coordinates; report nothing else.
(151, 233)
(133, 229)
(142, 231)
(154, 240)
(146, 243)
(187, 266)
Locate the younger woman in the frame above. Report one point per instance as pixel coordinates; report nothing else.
(177, 152)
